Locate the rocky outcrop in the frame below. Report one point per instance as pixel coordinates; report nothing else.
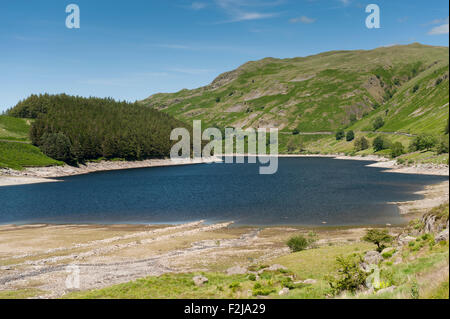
(443, 235)
(238, 270)
(200, 280)
(372, 258)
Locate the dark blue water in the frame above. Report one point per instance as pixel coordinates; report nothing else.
(305, 191)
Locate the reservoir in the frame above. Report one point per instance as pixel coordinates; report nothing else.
(304, 191)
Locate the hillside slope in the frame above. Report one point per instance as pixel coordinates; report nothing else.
(325, 92)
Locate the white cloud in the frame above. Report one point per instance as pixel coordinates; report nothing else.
(442, 29)
(245, 10)
(439, 21)
(198, 5)
(302, 19)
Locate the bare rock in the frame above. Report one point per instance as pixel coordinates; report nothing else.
(443, 235)
(238, 270)
(310, 281)
(372, 258)
(200, 280)
(405, 240)
(276, 267)
(284, 292)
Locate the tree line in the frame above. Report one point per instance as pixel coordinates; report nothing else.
(76, 129)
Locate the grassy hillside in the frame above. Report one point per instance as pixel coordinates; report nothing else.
(20, 155)
(405, 85)
(15, 129)
(15, 150)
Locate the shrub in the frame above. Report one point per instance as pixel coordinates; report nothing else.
(340, 134)
(442, 146)
(295, 132)
(415, 88)
(378, 237)
(350, 136)
(380, 143)
(350, 275)
(423, 142)
(299, 243)
(397, 149)
(259, 290)
(361, 144)
(291, 146)
(378, 123)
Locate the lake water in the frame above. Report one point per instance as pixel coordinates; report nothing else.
(305, 191)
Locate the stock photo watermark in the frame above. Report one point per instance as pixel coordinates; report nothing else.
(257, 142)
(73, 19)
(373, 19)
(73, 277)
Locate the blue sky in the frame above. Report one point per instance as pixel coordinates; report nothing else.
(131, 49)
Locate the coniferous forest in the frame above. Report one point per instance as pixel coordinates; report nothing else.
(75, 129)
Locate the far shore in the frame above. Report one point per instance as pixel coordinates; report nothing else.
(34, 175)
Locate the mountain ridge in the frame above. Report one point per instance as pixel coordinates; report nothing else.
(321, 92)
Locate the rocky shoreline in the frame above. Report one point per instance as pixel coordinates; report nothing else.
(33, 175)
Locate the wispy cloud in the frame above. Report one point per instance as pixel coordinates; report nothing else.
(438, 21)
(198, 5)
(442, 29)
(302, 19)
(345, 2)
(246, 10)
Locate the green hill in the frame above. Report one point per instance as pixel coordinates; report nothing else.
(405, 85)
(76, 129)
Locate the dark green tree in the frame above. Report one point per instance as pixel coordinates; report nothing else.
(379, 237)
(361, 144)
(378, 123)
(350, 136)
(340, 134)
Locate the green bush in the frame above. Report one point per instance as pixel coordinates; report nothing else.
(378, 123)
(361, 144)
(442, 146)
(259, 290)
(423, 142)
(340, 134)
(350, 275)
(380, 143)
(299, 243)
(397, 149)
(350, 136)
